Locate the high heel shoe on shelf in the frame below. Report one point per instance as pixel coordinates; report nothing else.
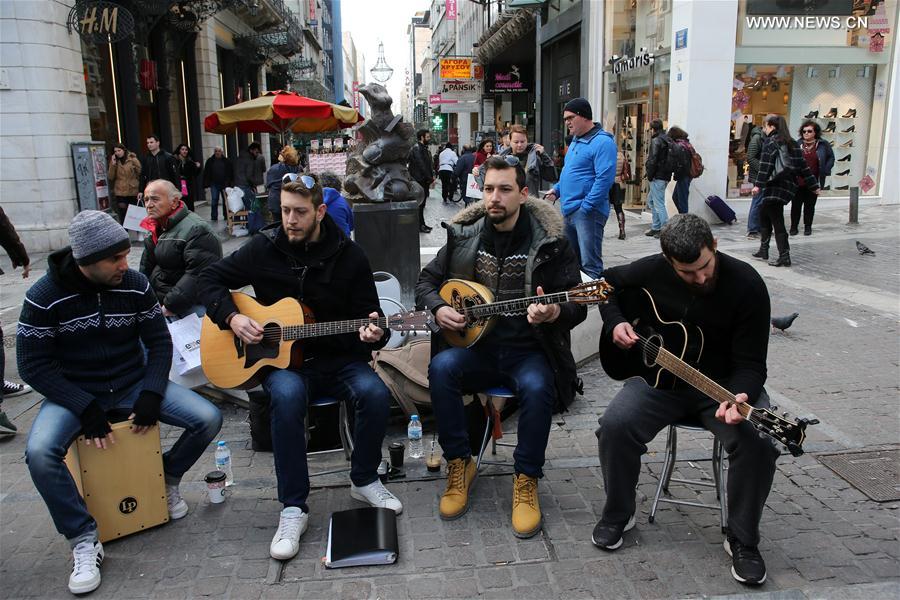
(850, 114)
(843, 187)
(812, 114)
(847, 144)
(830, 128)
(845, 159)
(842, 173)
(850, 129)
(831, 113)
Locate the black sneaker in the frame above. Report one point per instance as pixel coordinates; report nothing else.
(608, 536)
(747, 565)
(10, 388)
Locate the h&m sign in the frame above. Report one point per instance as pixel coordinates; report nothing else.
(100, 22)
(642, 59)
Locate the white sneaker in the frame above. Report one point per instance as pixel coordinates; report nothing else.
(291, 526)
(375, 494)
(178, 508)
(85, 575)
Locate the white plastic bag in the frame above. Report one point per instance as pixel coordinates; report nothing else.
(472, 189)
(234, 198)
(133, 217)
(186, 340)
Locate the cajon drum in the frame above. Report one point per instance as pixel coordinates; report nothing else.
(123, 486)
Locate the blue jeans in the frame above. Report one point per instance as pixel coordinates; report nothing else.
(56, 427)
(585, 230)
(289, 392)
(656, 202)
(217, 193)
(681, 194)
(753, 216)
(459, 371)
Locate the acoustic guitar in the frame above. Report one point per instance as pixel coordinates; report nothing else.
(664, 355)
(476, 303)
(230, 363)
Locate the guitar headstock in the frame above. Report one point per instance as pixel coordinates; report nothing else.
(421, 320)
(789, 433)
(591, 292)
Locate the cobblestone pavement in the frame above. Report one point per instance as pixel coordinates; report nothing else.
(822, 538)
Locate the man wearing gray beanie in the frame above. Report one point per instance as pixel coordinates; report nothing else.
(92, 340)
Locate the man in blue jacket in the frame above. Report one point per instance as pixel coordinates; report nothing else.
(583, 188)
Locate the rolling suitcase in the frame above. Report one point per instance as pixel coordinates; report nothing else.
(722, 210)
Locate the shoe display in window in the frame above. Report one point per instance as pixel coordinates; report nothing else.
(811, 114)
(845, 159)
(842, 173)
(830, 128)
(831, 113)
(850, 114)
(842, 187)
(850, 129)
(847, 144)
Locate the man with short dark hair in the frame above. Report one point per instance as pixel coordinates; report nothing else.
(658, 174)
(583, 188)
(157, 164)
(308, 258)
(250, 172)
(529, 350)
(93, 341)
(421, 169)
(728, 301)
(218, 174)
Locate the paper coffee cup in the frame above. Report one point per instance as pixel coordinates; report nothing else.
(215, 485)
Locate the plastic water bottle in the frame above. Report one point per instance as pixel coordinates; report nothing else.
(223, 462)
(414, 436)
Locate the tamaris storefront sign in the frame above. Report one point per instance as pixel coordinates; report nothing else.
(628, 63)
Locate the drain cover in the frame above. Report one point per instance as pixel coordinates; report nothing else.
(876, 474)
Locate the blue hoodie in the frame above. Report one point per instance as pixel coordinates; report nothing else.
(588, 173)
(338, 209)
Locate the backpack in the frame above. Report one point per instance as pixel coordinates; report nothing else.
(696, 168)
(678, 159)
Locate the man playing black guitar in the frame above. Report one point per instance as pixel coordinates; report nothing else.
(728, 304)
(307, 257)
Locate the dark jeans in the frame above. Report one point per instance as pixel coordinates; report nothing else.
(804, 201)
(638, 413)
(459, 371)
(448, 189)
(217, 194)
(426, 185)
(681, 194)
(771, 218)
(290, 392)
(753, 215)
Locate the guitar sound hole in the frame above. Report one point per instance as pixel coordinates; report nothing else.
(271, 335)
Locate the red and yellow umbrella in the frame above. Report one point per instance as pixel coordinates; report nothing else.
(279, 112)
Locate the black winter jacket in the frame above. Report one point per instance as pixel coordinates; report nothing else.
(172, 263)
(656, 159)
(161, 166)
(553, 266)
(783, 189)
(332, 277)
(421, 164)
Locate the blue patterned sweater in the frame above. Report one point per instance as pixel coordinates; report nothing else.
(76, 339)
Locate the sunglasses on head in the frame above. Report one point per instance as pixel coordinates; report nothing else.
(308, 181)
(510, 160)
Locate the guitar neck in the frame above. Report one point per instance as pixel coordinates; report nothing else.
(310, 330)
(517, 305)
(698, 380)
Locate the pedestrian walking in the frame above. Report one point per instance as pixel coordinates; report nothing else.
(218, 174)
(124, 173)
(781, 166)
(617, 191)
(157, 164)
(463, 169)
(484, 152)
(446, 163)
(659, 173)
(583, 188)
(18, 256)
(288, 162)
(682, 180)
(249, 173)
(820, 159)
(754, 143)
(188, 170)
(538, 166)
(337, 206)
(421, 168)
(109, 353)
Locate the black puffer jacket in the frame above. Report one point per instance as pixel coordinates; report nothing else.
(332, 277)
(554, 267)
(172, 263)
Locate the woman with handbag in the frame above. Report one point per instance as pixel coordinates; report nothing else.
(780, 166)
(124, 174)
(820, 158)
(188, 169)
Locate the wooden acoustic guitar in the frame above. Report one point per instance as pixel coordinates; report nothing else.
(664, 355)
(230, 363)
(476, 303)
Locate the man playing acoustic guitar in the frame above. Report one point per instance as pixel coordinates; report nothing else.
(307, 257)
(727, 301)
(514, 246)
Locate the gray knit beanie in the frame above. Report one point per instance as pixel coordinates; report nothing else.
(94, 235)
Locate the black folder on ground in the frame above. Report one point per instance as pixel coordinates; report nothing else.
(362, 536)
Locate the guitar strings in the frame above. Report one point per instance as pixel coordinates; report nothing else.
(478, 310)
(278, 335)
(647, 343)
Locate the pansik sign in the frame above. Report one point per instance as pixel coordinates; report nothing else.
(456, 68)
(502, 79)
(461, 90)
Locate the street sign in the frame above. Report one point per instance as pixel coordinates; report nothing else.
(456, 68)
(438, 122)
(461, 90)
(681, 39)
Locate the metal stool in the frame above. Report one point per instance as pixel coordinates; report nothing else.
(720, 474)
(343, 430)
(501, 394)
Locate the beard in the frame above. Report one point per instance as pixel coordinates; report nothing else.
(709, 286)
(300, 235)
(499, 215)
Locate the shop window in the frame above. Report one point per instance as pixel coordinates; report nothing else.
(101, 94)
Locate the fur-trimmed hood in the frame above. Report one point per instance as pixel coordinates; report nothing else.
(543, 212)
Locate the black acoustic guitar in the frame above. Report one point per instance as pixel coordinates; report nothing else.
(664, 356)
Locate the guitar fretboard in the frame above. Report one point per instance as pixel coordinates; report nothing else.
(695, 378)
(517, 305)
(308, 330)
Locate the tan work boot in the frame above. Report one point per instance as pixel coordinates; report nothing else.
(461, 474)
(526, 510)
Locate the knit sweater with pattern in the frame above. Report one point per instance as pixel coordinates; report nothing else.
(77, 339)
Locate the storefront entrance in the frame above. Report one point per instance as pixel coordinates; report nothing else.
(633, 143)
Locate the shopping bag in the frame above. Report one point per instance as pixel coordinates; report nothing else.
(186, 340)
(133, 217)
(472, 189)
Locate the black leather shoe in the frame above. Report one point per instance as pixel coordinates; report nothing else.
(850, 114)
(830, 128)
(807, 230)
(812, 114)
(424, 229)
(608, 536)
(747, 564)
(842, 173)
(845, 159)
(831, 113)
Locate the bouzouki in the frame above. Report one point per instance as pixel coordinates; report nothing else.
(664, 355)
(230, 363)
(476, 303)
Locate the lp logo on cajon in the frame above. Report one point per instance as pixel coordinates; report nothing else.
(128, 505)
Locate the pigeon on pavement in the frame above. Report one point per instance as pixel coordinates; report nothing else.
(863, 249)
(783, 323)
